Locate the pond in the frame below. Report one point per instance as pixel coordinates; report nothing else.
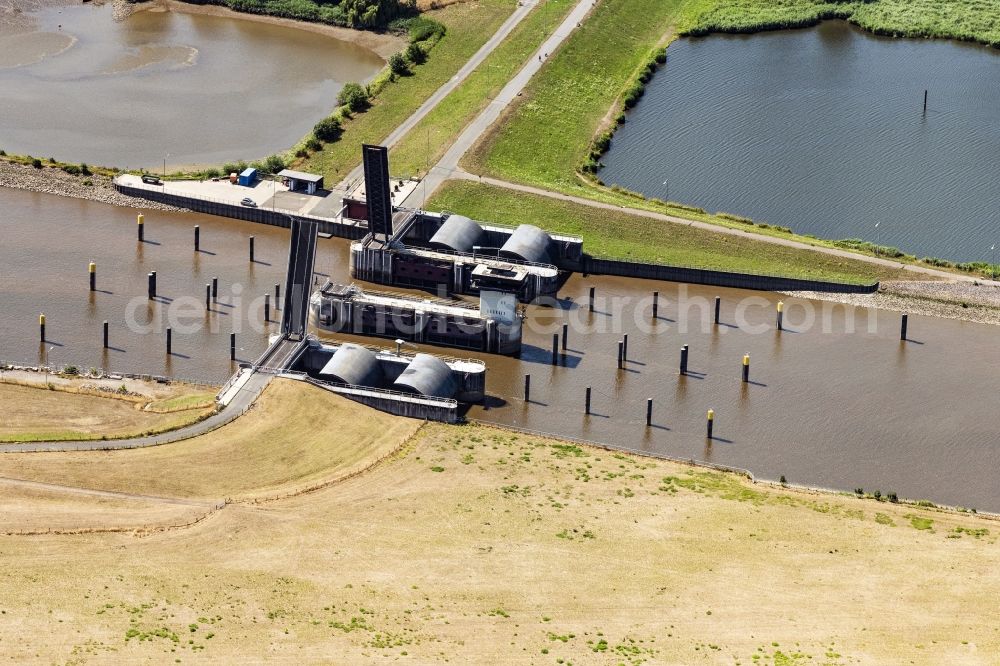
(185, 88)
(823, 130)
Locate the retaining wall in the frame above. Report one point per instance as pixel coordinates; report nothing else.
(276, 218)
(718, 278)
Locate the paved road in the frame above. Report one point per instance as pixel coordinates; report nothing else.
(444, 169)
(477, 59)
(246, 396)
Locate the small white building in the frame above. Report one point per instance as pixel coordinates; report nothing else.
(299, 181)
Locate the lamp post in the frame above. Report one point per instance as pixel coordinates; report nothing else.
(878, 239)
(993, 265)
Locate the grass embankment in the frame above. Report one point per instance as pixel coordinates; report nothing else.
(477, 545)
(35, 414)
(619, 234)
(427, 142)
(551, 133)
(295, 435)
(468, 26)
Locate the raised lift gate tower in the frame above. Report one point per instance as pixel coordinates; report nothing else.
(378, 190)
(298, 281)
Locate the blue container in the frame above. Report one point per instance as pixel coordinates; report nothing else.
(248, 177)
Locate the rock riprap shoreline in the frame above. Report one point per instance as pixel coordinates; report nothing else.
(52, 180)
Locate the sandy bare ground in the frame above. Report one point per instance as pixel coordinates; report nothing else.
(476, 545)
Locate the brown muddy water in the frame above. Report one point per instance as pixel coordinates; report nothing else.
(837, 402)
(184, 88)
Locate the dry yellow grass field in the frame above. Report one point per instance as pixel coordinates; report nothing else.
(293, 437)
(32, 510)
(34, 413)
(477, 545)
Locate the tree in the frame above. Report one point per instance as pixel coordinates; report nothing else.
(353, 96)
(328, 129)
(397, 63)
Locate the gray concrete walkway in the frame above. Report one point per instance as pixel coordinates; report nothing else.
(239, 404)
(477, 59)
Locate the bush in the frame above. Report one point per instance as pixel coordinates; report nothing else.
(420, 28)
(85, 170)
(328, 129)
(302, 152)
(212, 173)
(71, 370)
(314, 145)
(37, 163)
(71, 169)
(397, 64)
(274, 164)
(416, 54)
(353, 96)
(633, 94)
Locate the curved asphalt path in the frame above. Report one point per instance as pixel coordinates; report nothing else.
(237, 406)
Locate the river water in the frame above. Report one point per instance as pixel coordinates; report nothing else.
(189, 89)
(837, 401)
(822, 130)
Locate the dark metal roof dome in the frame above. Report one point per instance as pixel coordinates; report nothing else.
(353, 364)
(428, 375)
(458, 233)
(528, 243)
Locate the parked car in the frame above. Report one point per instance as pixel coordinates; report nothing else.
(248, 202)
(150, 179)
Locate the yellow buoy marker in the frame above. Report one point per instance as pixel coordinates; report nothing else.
(93, 276)
(140, 222)
(41, 327)
(746, 367)
(711, 420)
(781, 313)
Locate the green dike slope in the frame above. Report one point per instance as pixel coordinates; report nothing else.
(426, 143)
(624, 235)
(468, 25)
(547, 134)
